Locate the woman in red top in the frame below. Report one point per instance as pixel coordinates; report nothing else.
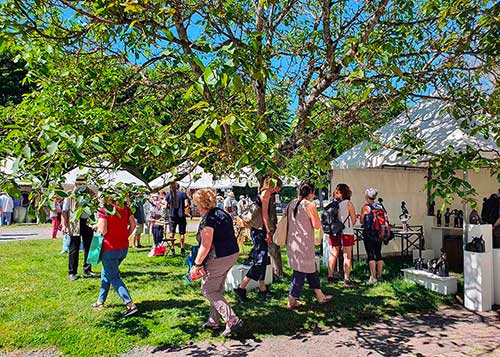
(116, 224)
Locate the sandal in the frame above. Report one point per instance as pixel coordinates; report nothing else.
(211, 326)
(296, 305)
(98, 305)
(326, 299)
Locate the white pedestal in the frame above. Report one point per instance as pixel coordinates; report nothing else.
(326, 249)
(238, 272)
(496, 276)
(478, 281)
(427, 254)
(443, 285)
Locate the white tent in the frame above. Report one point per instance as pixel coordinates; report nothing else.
(196, 179)
(397, 178)
(428, 121)
(245, 177)
(111, 177)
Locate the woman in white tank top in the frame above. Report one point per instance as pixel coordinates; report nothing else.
(345, 239)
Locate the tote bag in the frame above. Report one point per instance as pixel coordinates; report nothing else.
(95, 249)
(281, 233)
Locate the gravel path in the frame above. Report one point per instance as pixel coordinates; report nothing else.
(26, 232)
(448, 332)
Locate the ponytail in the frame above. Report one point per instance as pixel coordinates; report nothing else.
(304, 190)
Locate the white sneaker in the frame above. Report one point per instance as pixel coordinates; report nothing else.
(372, 280)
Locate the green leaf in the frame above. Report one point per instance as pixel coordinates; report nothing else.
(52, 147)
(27, 151)
(201, 130)
(199, 105)
(155, 150)
(61, 193)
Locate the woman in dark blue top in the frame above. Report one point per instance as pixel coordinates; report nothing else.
(217, 254)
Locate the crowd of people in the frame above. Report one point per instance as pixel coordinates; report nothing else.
(218, 246)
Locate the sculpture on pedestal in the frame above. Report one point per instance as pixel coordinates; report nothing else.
(440, 266)
(432, 206)
(460, 218)
(454, 213)
(447, 215)
(439, 219)
(404, 216)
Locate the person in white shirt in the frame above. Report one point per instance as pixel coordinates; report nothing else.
(229, 204)
(242, 205)
(78, 230)
(7, 209)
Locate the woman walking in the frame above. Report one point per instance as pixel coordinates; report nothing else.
(116, 227)
(303, 218)
(261, 237)
(345, 239)
(156, 221)
(55, 216)
(373, 248)
(217, 254)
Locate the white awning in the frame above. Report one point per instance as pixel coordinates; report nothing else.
(428, 121)
(197, 179)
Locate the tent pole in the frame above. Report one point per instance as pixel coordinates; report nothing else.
(466, 216)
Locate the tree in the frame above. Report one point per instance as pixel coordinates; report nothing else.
(330, 64)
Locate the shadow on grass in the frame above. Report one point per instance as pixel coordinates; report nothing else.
(358, 309)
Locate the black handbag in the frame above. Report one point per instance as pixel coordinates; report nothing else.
(476, 245)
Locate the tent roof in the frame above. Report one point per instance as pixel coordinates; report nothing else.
(198, 178)
(112, 177)
(428, 121)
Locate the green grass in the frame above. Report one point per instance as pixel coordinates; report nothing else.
(40, 309)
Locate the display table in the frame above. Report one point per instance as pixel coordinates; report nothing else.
(478, 272)
(443, 285)
(238, 272)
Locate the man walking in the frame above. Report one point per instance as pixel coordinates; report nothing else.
(78, 230)
(140, 219)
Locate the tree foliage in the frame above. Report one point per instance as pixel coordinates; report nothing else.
(270, 84)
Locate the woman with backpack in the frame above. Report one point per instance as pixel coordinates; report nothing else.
(345, 238)
(303, 218)
(373, 247)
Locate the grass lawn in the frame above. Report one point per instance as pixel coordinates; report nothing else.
(41, 309)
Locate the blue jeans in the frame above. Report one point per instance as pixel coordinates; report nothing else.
(110, 275)
(6, 219)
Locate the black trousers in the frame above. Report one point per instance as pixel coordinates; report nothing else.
(86, 235)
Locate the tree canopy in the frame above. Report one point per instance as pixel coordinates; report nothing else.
(277, 85)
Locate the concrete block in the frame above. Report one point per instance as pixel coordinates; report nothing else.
(442, 285)
(238, 272)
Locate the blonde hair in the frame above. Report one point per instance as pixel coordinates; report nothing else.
(205, 198)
